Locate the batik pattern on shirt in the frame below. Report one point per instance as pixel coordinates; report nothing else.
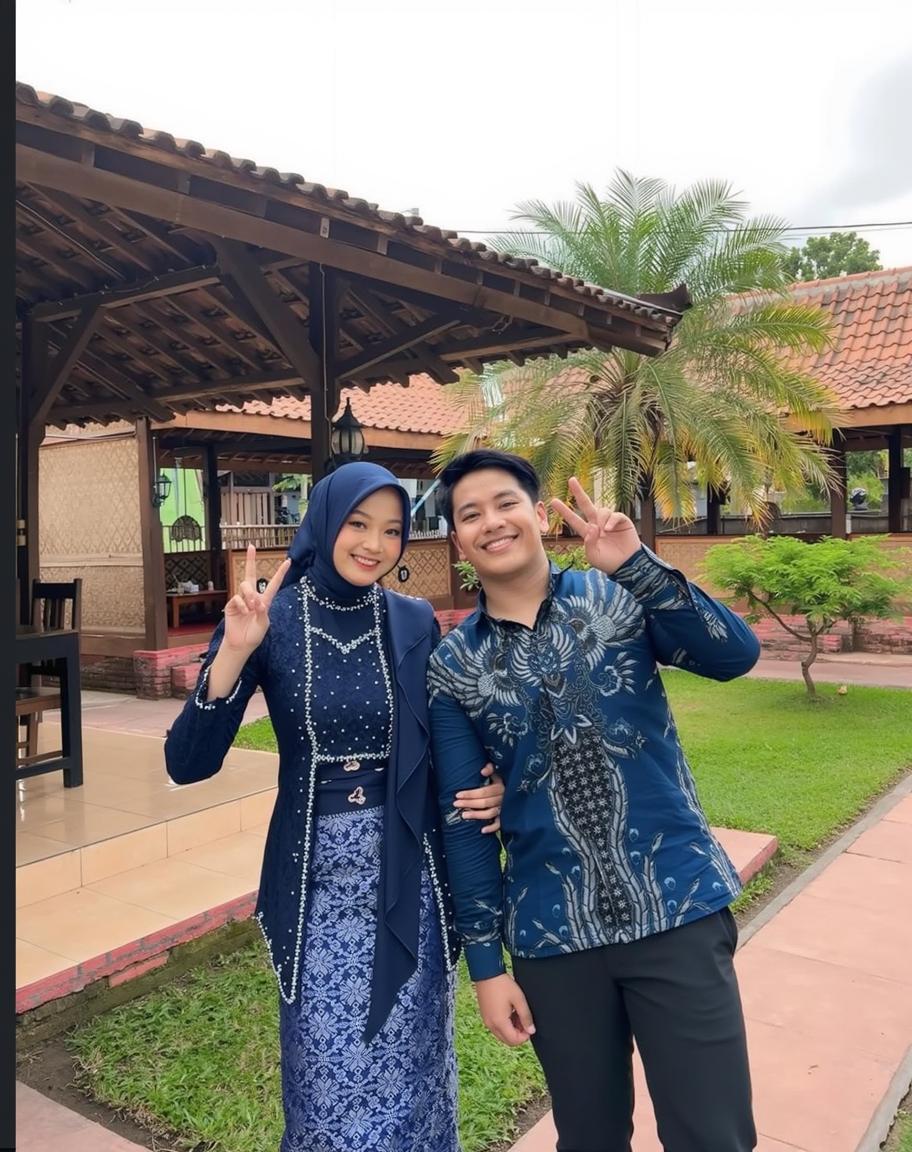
(605, 839)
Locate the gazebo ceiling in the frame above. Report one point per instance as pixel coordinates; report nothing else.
(168, 278)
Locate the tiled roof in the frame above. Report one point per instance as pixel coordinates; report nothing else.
(421, 407)
(870, 361)
(661, 309)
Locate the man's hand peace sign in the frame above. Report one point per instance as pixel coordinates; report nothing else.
(610, 538)
(247, 612)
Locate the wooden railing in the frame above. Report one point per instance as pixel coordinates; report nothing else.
(237, 536)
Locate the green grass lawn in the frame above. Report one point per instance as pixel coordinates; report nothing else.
(900, 1139)
(768, 759)
(200, 1056)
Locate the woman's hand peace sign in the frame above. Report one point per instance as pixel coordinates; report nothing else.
(247, 612)
(610, 538)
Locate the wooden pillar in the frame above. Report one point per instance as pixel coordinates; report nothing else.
(713, 511)
(838, 502)
(153, 549)
(324, 395)
(30, 434)
(648, 514)
(213, 513)
(895, 480)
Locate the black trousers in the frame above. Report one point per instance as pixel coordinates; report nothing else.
(677, 994)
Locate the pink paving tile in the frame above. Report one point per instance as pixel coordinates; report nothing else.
(878, 943)
(887, 840)
(829, 1002)
(542, 1137)
(42, 1125)
(865, 882)
(812, 1093)
(902, 812)
(748, 851)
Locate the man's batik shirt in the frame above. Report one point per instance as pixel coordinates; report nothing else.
(605, 840)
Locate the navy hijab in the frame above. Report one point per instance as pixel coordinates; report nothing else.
(408, 782)
(332, 499)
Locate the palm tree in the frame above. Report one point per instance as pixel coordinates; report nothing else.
(710, 408)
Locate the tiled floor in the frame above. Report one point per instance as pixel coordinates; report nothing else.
(827, 992)
(130, 853)
(125, 789)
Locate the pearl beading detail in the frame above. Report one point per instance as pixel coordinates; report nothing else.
(441, 903)
(199, 696)
(308, 594)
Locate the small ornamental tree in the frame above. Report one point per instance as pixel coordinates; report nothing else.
(823, 582)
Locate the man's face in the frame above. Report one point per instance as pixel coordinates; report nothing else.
(495, 524)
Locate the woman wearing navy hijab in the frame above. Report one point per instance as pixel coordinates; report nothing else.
(353, 900)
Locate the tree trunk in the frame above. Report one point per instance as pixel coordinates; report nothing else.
(806, 665)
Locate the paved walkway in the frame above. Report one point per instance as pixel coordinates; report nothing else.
(824, 971)
(826, 982)
(43, 1125)
(843, 668)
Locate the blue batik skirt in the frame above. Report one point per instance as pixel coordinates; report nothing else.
(397, 1093)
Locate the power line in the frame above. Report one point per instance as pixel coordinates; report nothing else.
(876, 226)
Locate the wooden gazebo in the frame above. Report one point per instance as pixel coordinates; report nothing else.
(156, 277)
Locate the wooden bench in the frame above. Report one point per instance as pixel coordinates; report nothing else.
(178, 600)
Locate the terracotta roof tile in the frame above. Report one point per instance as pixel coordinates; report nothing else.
(421, 407)
(661, 310)
(870, 361)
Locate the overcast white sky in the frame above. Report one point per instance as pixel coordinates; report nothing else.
(462, 109)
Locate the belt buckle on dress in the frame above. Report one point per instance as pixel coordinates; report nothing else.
(357, 797)
(351, 765)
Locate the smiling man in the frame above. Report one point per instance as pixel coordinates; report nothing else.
(613, 901)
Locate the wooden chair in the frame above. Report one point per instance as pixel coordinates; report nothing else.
(54, 605)
(57, 605)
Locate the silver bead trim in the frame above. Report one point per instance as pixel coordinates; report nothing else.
(441, 904)
(203, 687)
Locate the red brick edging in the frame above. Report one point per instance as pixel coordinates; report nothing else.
(134, 959)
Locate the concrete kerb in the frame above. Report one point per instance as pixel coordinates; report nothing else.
(882, 1120)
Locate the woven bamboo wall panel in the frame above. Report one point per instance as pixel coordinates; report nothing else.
(112, 596)
(88, 499)
(428, 562)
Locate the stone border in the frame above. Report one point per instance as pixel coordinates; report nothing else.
(132, 960)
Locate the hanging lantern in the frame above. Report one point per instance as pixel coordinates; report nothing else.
(161, 490)
(347, 442)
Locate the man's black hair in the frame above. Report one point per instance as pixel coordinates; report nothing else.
(521, 470)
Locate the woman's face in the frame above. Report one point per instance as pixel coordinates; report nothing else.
(370, 541)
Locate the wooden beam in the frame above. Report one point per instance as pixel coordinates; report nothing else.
(285, 429)
(118, 382)
(877, 416)
(157, 287)
(42, 399)
(213, 512)
(403, 340)
(217, 220)
(713, 512)
(153, 548)
(33, 369)
(490, 345)
(128, 250)
(324, 338)
(895, 479)
(283, 326)
(838, 496)
(224, 386)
